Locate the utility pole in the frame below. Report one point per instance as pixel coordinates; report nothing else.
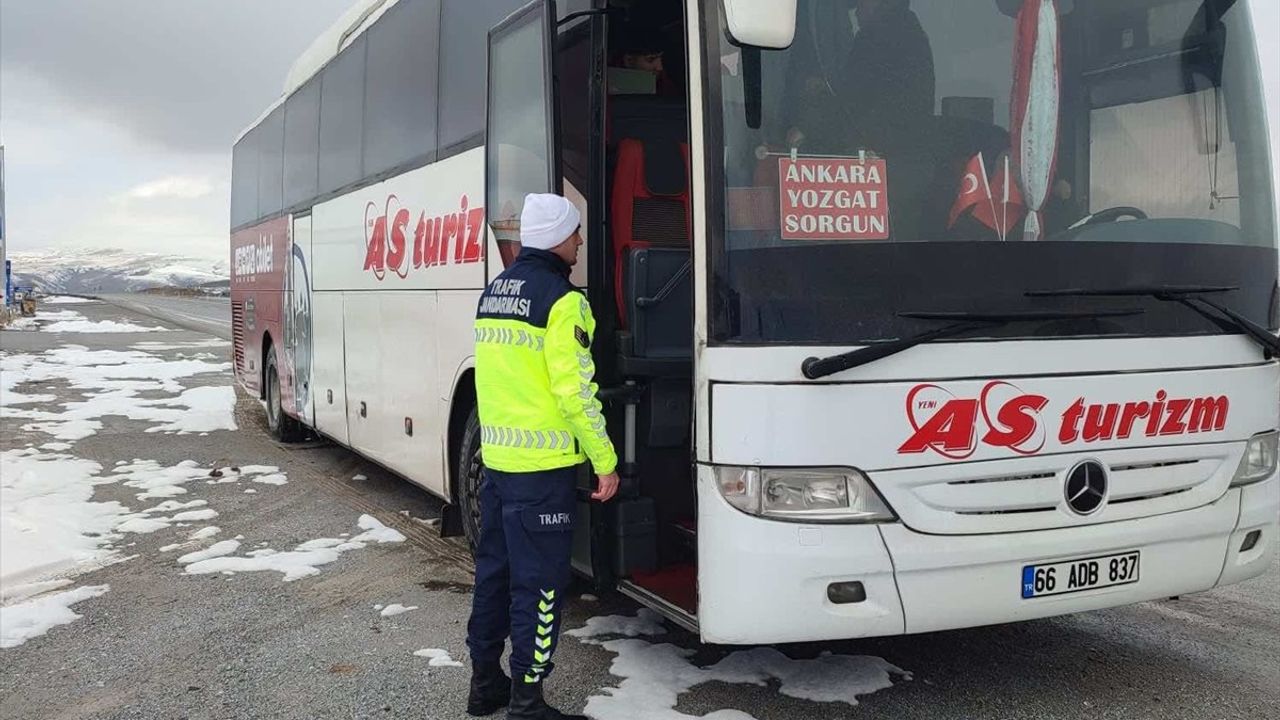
(4, 255)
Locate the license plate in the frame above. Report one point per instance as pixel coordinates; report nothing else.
(1071, 576)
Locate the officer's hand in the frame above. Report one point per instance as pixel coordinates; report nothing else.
(606, 487)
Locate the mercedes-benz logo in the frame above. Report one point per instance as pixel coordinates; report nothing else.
(1086, 487)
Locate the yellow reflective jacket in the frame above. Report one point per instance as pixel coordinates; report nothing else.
(534, 372)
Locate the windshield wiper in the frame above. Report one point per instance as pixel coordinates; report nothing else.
(1190, 296)
(962, 322)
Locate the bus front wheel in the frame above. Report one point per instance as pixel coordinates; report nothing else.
(470, 476)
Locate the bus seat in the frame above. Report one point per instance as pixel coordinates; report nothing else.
(649, 209)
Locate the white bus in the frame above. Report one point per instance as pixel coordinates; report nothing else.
(913, 314)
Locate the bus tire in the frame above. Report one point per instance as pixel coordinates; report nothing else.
(282, 427)
(470, 475)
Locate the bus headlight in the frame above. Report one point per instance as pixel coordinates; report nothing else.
(803, 495)
(1259, 461)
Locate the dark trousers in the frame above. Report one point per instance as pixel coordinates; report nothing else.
(522, 569)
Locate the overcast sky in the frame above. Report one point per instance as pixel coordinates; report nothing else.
(118, 115)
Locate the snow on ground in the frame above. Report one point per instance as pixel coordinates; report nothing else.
(23, 324)
(218, 549)
(51, 529)
(70, 321)
(206, 532)
(85, 325)
(67, 300)
(49, 523)
(111, 381)
(646, 622)
(396, 609)
(73, 322)
(439, 658)
(304, 560)
(32, 618)
(152, 346)
(655, 675)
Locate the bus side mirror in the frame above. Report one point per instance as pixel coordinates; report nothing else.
(769, 24)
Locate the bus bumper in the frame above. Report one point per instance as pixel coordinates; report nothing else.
(762, 581)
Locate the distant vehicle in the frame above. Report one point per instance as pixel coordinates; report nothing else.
(918, 316)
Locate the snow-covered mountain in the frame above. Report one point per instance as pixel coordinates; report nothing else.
(108, 271)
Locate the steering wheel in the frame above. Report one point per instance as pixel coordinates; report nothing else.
(1114, 214)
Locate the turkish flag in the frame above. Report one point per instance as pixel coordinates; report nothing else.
(1008, 206)
(998, 203)
(975, 191)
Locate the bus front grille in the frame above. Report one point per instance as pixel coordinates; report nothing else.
(1028, 493)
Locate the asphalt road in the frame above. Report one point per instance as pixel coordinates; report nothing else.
(163, 644)
(206, 315)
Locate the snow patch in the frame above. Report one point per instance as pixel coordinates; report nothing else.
(304, 560)
(205, 532)
(438, 657)
(646, 622)
(32, 618)
(396, 609)
(218, 549)
(68, 300)
(151, 345)
(112, 381)
(655, 675)
(19, 593)
(98, 326)
(49, 523)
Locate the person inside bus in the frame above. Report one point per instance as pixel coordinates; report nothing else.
(640, 68)
(539, 420)
(882, 91)
(888, 79)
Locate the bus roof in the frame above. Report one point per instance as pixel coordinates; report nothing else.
(358, 18)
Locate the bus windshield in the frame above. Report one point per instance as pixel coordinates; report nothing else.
(934, 156)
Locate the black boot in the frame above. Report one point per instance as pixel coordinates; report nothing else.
(490, 690)
(527, 704)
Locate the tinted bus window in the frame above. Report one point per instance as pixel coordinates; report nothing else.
(244, 180)
(464, 35)
(341, 118)
(271, 163)
(301, 143)
(400, 100)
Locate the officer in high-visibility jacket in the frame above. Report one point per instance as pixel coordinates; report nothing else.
(539, 419)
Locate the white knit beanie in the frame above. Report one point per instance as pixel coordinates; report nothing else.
(547, 220)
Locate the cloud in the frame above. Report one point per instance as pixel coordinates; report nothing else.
(182, 76)
(182, 188)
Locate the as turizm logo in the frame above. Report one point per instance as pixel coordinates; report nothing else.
(1005, 416)
(455, 238)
